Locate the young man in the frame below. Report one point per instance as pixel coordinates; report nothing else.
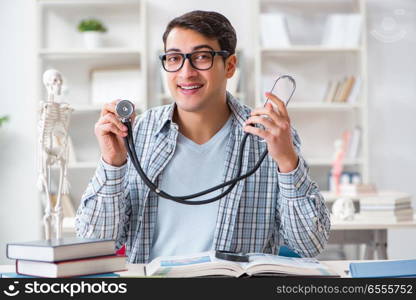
(192, 145)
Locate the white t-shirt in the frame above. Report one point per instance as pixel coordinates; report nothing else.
(184, 229)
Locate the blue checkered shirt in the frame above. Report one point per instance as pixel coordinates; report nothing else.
(262, 212)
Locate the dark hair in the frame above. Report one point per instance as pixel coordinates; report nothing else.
(208, 23)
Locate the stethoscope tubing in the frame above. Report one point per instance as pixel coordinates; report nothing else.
(129, 142)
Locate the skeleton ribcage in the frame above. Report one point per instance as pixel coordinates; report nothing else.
(54, 123)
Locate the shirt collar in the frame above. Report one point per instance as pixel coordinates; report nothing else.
(240, 113)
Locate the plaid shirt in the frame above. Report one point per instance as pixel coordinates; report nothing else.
(262, 212)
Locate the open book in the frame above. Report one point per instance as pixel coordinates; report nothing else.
(260, 264)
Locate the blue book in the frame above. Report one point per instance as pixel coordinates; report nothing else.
(379, 269)
(15, 275)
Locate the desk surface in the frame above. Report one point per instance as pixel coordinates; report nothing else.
(137, 270)
(360, 224)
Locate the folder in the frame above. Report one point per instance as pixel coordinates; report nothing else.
(379, 269)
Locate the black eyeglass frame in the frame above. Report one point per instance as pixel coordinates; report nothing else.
(185, 56)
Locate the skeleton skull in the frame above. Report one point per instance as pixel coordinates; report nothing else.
(343, 209)
(52, 79)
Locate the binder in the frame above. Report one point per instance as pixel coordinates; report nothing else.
(381, 269)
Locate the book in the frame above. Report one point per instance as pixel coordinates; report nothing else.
(274, 30)
(72, 268)
(386, 198)
(379, 269)
(355, 91)
(357, 189)
(336, 91)
(260, 264)
(108, 84)
(339, 91)
(401, 215)
(397, 206)
(349, 83)
(59, 250)
(342, 30)
(330, 91)
(102, 275)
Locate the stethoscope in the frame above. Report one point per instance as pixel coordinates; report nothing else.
(124, 109)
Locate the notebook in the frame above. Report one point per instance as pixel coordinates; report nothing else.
(60, 250)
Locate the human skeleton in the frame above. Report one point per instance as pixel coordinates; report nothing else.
(53, 150)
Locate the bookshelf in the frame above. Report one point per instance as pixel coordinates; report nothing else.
(126, 43)
(313, 64)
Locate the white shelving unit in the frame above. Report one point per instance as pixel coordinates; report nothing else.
(313, 65)
(60, 46)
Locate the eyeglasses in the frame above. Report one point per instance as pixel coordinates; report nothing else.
(200, 60)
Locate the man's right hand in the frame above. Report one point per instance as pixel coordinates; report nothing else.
(110, 133)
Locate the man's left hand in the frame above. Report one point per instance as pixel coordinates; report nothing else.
(276, 132)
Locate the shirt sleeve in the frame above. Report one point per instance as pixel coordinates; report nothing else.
(304, 223)
(104, 208)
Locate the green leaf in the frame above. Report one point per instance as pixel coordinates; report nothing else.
(3, 120)
(91, 25)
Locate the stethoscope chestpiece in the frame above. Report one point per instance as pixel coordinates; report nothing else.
(231, 256)
(124, 110)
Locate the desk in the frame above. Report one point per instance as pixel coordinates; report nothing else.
(137, 270)
(341, 267)
(338, 266)
(373, 235)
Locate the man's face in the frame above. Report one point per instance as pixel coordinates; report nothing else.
(192, 89)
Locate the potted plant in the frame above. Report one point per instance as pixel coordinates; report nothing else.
(3, 119)
(92, 30)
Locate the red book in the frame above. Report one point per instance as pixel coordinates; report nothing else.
(71, 268)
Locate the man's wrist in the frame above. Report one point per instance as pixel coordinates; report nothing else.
(287, 165)
(114, 162)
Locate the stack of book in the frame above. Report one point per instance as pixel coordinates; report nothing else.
(67, 257)
(345, 90)
(357, 189)
(395, 207)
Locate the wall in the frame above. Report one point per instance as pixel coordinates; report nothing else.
(392, 92)
(19, 209)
